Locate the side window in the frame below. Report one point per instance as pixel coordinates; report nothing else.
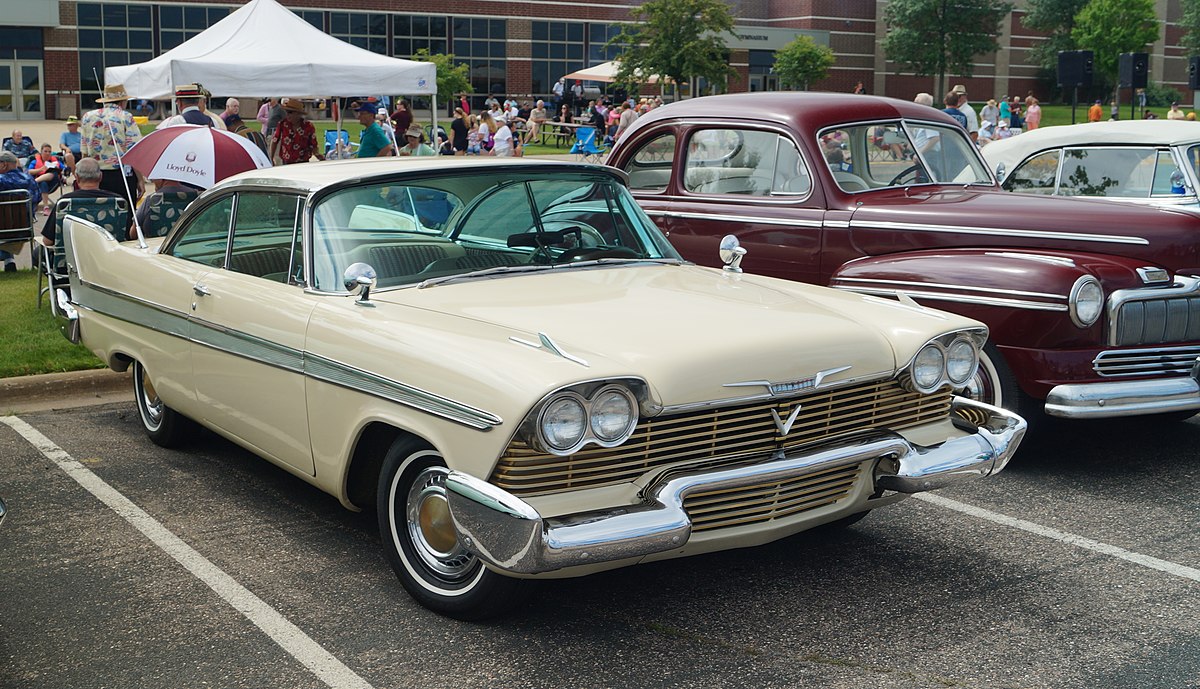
(1126, 172)
(264, 236)
(1036, 175)
(743, 162)
(1168, 178)
(650, 167)
(504, 212)
(206, 238)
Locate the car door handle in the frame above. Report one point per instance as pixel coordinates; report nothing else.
(200, 290)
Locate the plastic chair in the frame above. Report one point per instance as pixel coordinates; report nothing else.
(110, 213)
(163, 209)
(585, 145)
(338, 144)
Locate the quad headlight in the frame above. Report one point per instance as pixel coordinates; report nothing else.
(569, 420)
(950, 359)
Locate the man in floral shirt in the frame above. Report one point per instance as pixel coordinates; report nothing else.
(294, 139)
(104, 133)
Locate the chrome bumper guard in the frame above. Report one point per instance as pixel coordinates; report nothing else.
(1124, 398)
(509, 534)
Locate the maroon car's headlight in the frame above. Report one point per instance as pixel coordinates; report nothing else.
(1086, 302)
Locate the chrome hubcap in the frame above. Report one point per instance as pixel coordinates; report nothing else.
(152, 406)
(431, 530)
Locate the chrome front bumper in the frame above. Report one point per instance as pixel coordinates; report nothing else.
(1124, 398)
(509, 534)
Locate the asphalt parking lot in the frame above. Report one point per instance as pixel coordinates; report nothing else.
(126, 565)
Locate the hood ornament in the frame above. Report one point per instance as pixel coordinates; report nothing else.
(790, 387)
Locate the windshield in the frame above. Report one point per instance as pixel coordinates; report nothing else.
(411, 231)
(880, 155)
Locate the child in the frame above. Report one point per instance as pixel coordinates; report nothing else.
(474, 138)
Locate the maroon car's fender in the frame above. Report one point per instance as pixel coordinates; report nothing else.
(1023, 296)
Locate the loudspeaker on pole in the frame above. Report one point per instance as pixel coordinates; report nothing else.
(1075, 68)
(1133, 70)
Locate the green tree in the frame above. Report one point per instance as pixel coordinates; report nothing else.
(936, 37)
(1190, 22)
(451, 78)
(1056, 19)
(802, 62)
(680, 39)
(1111, 27)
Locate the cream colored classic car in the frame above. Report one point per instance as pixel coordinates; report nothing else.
(510, 363)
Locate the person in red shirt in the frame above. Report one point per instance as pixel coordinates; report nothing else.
(295, 138)
(46, 169)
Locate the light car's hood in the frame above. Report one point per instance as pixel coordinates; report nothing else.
(689, 331)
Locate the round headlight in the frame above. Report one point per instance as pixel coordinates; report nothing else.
(929, 367)
(1087, 301)
(960, 361)
(612, 415)
(564, 423)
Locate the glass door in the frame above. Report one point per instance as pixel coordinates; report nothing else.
(22, 95)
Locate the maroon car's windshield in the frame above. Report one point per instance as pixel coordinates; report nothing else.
(878, 155)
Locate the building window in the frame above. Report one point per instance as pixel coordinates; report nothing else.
(480, 44)
(314, 17)
(557, 49)
(367, 31)
(412, 33)
(113, 35)
(178, 24)
(598, 37)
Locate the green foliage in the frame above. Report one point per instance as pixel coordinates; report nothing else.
(1190, 22)
(1056, 18)
(679, 39)
(1160, 96)
(452, 78)
(802, 62)
(936, 37)
(1111, 27)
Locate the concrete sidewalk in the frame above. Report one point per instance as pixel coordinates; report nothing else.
(24, 394)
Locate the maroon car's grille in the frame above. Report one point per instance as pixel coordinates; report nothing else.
(716, 436)
(1175, 361)
(1157, 321)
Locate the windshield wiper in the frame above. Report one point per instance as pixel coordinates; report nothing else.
(486, 272)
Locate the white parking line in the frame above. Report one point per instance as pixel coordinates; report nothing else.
(1147, 561)
(288, 636)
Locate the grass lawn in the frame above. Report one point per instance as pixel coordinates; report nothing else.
(30, 341)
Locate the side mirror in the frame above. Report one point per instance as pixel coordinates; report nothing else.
(1000, 170)
(359, 280)
(731, 253)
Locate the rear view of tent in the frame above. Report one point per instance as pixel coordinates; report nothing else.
(263, 48)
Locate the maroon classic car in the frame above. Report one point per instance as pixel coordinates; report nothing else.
(1094, 307)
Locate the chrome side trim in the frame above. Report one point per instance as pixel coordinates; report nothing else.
(966, 288)
(237, 343)
(741, 219)
(509, 534)
(998, 231)
(961, 298)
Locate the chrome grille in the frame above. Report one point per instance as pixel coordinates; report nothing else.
(1145, 362)
(1155, 321)
(767, 501)
(714, 437)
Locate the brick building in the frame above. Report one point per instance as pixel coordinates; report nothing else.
(51, 50)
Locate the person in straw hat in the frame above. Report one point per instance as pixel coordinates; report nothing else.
(107, 133)
(294, 139)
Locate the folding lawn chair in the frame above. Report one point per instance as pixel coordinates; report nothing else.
(338, 144)
(585, 145)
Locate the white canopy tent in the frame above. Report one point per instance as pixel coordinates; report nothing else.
(606, 72)
(264, 49)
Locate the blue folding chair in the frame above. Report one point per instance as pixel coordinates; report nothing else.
(585, 145)
(331, 141)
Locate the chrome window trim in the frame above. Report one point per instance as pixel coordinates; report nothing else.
(694, 126)
(1183, 286)
(174, 323)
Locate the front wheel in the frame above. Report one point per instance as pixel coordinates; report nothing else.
(995, 384)
(421, 544)
(164, 426)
